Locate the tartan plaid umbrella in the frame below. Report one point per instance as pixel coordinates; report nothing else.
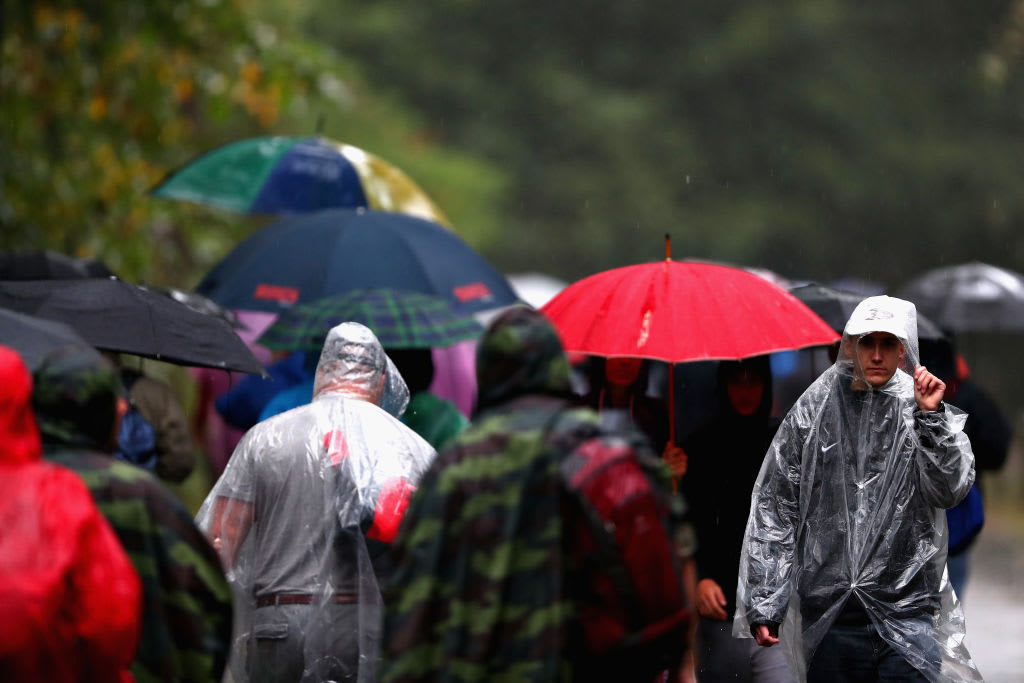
(399, 318)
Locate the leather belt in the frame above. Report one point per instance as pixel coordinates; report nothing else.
(304, 599)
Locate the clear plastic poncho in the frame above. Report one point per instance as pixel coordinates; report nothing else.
(304, 512)
(847, 515)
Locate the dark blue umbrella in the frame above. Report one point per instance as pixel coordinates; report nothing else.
(306, 257)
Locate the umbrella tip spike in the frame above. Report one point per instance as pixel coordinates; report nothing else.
(668, 247)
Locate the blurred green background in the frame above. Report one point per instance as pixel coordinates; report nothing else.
(819, 139)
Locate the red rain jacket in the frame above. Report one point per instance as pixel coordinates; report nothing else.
(69, 597)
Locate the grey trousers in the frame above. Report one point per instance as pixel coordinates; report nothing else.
(720, 657)
(281, 651)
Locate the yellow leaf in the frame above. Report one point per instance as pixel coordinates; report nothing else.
(251, 72)
(183, 89)
(97, 108)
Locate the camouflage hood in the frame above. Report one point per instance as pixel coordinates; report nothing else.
(520, 354)
(75, 398)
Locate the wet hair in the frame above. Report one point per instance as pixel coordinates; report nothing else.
(756, 365)
(596, 366)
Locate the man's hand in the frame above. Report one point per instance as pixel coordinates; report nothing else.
(676, 459)
(765, 636)
(711, 600)
(928, 389)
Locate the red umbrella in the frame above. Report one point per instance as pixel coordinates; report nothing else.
(677, 311)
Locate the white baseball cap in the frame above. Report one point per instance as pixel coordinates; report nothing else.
(883, 314)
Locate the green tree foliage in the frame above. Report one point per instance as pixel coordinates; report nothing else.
(817, 139)
(101, 99)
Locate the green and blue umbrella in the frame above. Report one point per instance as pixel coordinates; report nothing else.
(283, 174)
(399, 318)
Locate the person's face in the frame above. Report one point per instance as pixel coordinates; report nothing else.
(876, 357)
(622, 371)
(119, 412)
(745, 391)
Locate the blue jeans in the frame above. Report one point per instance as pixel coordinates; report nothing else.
(956, 565)
(857, 654)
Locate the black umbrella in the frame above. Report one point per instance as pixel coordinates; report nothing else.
(310, 256)
(49, 265)
(34, 338)
(970, 297)
(114, 315)
(834, 306)
(202, 304)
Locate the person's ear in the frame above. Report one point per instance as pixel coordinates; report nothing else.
(848, 347)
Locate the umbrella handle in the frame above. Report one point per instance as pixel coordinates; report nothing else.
(671, 404)
(672, 412)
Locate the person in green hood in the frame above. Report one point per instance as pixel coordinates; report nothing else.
(187, 608)
(499, 572)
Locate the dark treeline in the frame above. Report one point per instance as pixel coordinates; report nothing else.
(817, 139)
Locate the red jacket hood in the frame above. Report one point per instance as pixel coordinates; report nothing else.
(19, 436)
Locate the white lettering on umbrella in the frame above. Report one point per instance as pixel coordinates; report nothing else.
(645, 330)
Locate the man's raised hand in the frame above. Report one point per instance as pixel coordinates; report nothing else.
(928, 389)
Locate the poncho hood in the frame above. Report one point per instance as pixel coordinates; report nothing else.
(19, 436)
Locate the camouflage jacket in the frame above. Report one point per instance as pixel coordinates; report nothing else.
(187, 609)
(483, 587)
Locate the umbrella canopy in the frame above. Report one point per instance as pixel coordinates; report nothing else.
(536, 289)
(34, 338)
(272, 175)
(202, 304)
(400, 319)
(677, 311)
(117, 316)
(971, 297)
(834, 306)
(49, 265)
(305, 257)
